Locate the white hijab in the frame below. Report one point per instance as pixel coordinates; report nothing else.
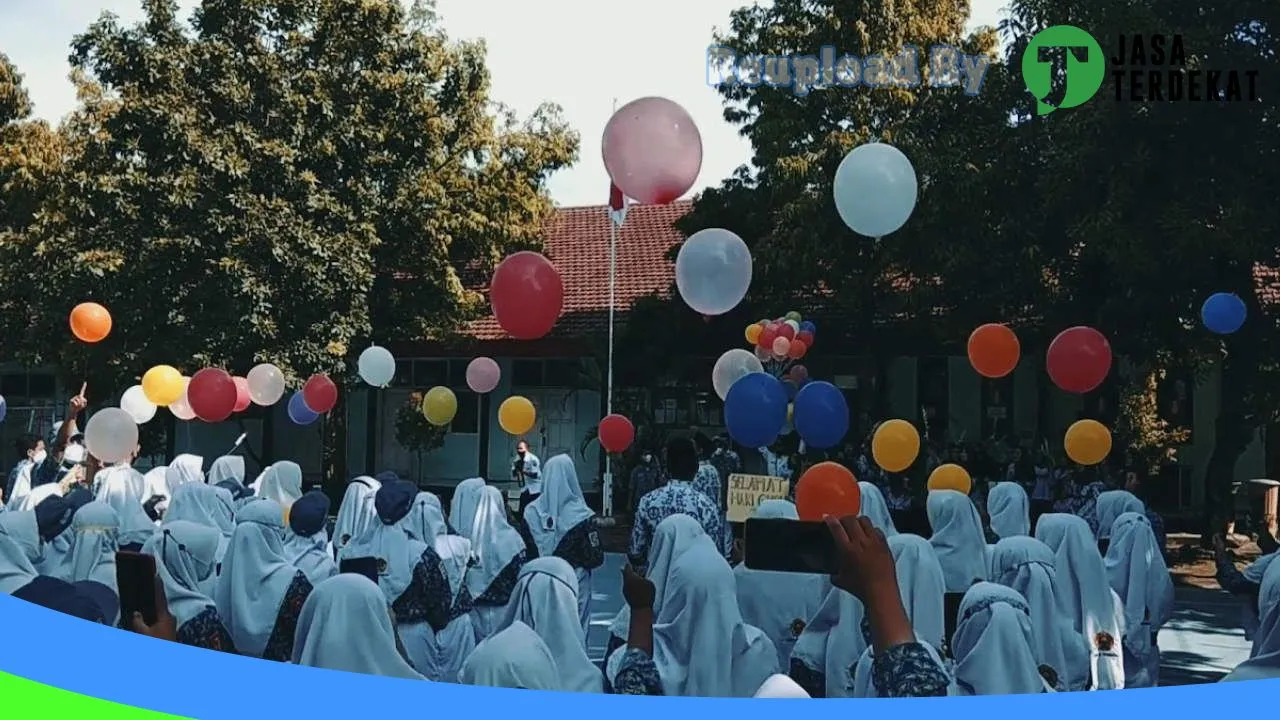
(356, 512)
(957, 538)
(345, 625)
(993, 644)
(282, 482)
(546, 599)
(1137, 572)
(255, 577)
(513, 658)
(227, 467)
(154, 480)
(205, 505)
(1027, 566)
(1264, 657)
(463, 505)
(184, 553)
(494, 543)
(39, 495)
(779, 603)
(1009, 510)
(117, 490)
(833, 641)
(425, 521)
(672, 538)
(19, 550)
(312, 554)
(875, 509)
(701, 646)
(184, 469)
(560, 508)
(1111, 505)
(781, 686)
(95, 530)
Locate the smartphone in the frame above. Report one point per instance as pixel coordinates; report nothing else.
(794, 546)
(136, 579)
(950, 616)
(366, 566)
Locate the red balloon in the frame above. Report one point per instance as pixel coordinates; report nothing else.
(319, 394)
(798, 349)
(527, 295)
(768, 335)
(786, 331)
(616, 433)
(1079, 359)
(805, 337)
(212, 395)
(652, 150)
(242, 394)
(827, 489)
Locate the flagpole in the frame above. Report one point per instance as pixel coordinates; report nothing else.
(607, 501)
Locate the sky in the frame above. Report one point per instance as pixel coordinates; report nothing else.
(580, 54)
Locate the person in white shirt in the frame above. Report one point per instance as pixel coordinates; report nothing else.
(527, 471)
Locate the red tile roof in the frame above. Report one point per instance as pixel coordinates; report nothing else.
(577, 242)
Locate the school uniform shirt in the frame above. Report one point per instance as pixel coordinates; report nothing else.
(677, 497)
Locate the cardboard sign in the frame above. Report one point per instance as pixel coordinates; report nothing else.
(746, 492)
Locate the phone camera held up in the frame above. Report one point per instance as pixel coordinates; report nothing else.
(792, 546)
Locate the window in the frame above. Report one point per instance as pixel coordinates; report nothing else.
(562, 373)
(404, 374)
(933, 388)
(430, 373)
(467, 420)
(527, 373)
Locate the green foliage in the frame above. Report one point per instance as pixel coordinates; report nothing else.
(413, 431)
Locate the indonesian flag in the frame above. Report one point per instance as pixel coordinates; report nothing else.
(617, 205)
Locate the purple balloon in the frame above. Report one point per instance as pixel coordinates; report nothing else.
(652, 150)
(483, 374)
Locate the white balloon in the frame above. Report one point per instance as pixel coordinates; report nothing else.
(713, 271)
(875, 189)
(377, 366)
(731, 367)
(111, 435)
(135, 402)
(266, 384)
(181, 408)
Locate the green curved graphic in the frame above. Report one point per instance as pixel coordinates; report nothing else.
(27, 699)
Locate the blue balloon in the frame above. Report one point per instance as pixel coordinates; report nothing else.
(807, 326)
(299, 413)
(821, 415)
(1223, 313)
(755, 410)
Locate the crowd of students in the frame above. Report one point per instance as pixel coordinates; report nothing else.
(484, 596)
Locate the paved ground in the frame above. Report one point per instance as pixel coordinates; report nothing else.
(1200, 644)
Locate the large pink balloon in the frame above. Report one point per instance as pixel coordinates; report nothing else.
(483, 374)
(652, 150)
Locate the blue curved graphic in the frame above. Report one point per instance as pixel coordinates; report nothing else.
(92, 660)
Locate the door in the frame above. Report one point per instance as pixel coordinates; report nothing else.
(394, 456)
(557, 430)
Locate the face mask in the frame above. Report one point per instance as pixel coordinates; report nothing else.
(73, 455)
(520, 453)
(648, 458)
(39, 457)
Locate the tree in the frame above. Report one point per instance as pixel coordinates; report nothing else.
(283, 181)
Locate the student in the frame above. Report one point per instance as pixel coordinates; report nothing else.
(1009, 510)
(117, 488)
(282, 482)
(672, 539)
(546, 599)
(645, 476)
(306, 544)
(676, 496)
(526, 470)
(514, 658)
(993, 644)
(20, 548)
(561, 525)
(1264, 657)
(95, 529)
(465, 502)
(1136, 571)
(228, 468)
(205, 505)
(356, 513)
(184, 553)
(957, 539)
(31, 452)
(345, 626)
(876, 510)
(707, 479)
(1111, 505)
(499, 553)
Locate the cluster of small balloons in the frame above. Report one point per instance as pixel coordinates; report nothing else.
(788, 338)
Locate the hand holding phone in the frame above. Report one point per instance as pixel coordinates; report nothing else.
(792, 546)
(366, 566)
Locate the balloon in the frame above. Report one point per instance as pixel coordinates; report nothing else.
(793, 316)
(163, 385)
(527, 295)
(763, 355)
(242, 394)
(516, 415)
(439, 406)
(652, 150)
(4, 408)
(266, 384)
(768, 335)
(732, 366)
(781, 346)
(755, 410)
(950, 477)
(180, 408)
(753, 333)
(787, 330)
(377, 366)
(135, 402)
(320, 394)
(827, 489)
(483, 374)
(994, 350)
(822, 415)
(212, 395)
(616, 433)
(299, 413)
(111, 435)
(1079, 359)
(1088, 442)
(875, 189)
(713, 271)
(895, 445)
(798, 349)
(90, 322)
(808, 327)
(800, 374)
(1223, 313)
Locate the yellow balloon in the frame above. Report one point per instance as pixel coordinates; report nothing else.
(1088, 442)
(163, 385)
(516, 415)
(439, 406)
(895, 445)
(753, 333)
(950, 477)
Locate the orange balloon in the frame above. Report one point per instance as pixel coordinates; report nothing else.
(994, 350)
(828, 489)
(90, 322)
